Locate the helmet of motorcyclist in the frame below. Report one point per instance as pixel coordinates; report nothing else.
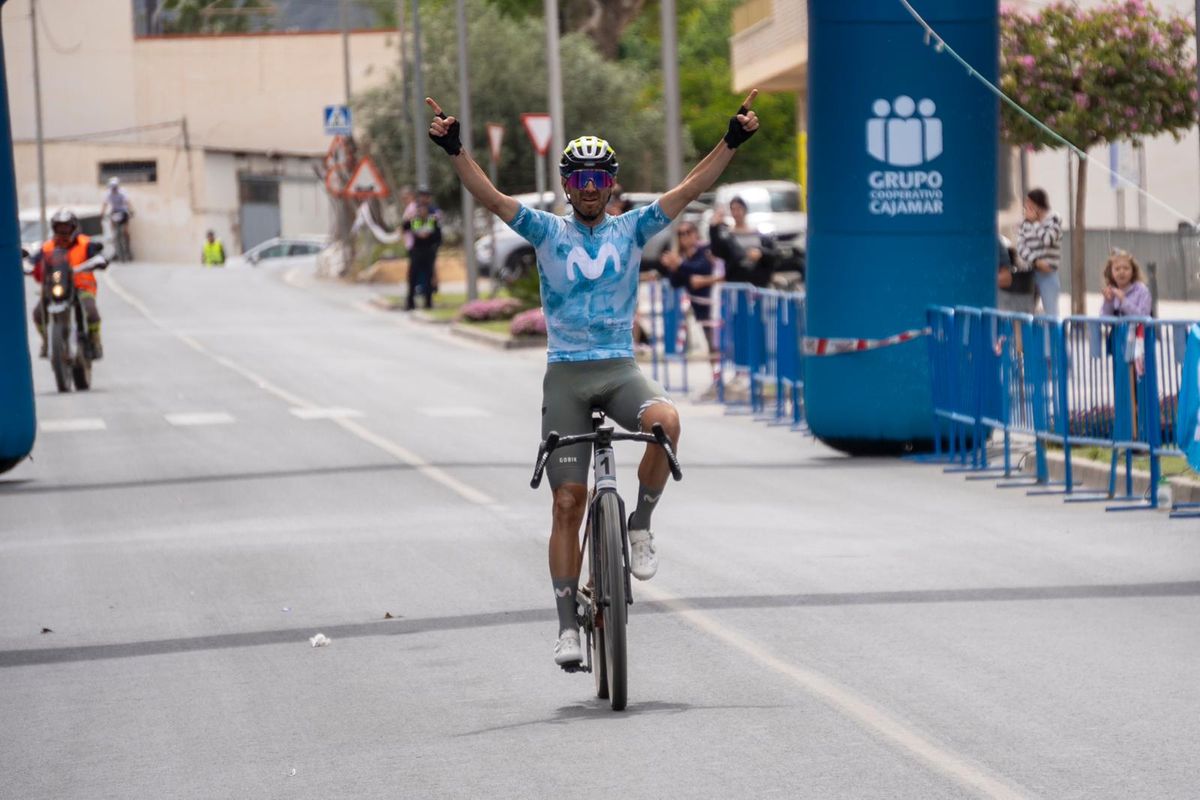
(65, 225)
(590, 153)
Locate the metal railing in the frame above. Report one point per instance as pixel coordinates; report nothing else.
(1105, 382)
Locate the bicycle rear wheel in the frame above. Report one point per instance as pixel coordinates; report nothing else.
(616, 613)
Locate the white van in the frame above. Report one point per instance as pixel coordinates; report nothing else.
(90, 221)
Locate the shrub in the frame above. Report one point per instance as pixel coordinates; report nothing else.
(493, 308)
(529, 323)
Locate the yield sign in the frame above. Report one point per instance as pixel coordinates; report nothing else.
(538, 127)
(495, 133)
(366, 181)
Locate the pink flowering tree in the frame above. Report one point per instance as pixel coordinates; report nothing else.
(1118, 71)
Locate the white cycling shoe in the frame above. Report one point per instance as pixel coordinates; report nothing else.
(567, 650)
(643, 560)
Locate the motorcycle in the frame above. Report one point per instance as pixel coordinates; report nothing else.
(69, 347)
(120, 228)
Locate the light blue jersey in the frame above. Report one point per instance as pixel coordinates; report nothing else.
(589, 278)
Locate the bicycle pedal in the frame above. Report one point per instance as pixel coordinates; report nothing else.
(576, 666)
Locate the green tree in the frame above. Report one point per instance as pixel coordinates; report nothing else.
(605, 22)
(508, 77)
(1117, 71)
(706, 97)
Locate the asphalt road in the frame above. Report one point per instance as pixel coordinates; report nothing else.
(265, 458)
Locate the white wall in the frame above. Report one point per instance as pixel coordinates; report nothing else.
(86, 63)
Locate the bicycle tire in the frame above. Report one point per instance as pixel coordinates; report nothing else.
(616, 613)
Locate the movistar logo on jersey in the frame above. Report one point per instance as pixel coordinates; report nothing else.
(579, 261)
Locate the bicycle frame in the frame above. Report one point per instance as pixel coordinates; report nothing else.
(595, 598)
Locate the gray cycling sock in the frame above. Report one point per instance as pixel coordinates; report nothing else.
(564, 598)
(646, 501)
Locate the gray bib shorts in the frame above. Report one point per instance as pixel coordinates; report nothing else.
(570, 390)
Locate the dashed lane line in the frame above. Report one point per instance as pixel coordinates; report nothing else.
(402, 454)
(72, 425)
(189, 419)
(325, 413)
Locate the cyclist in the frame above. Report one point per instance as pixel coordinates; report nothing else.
(118, 211)
(588, 266)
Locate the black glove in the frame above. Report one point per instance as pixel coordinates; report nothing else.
(736, 133)
(450, 141)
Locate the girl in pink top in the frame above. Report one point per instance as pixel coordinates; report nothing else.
(1125, 290)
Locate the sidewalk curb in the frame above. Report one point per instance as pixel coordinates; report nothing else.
(1094, 475)
(497, 340)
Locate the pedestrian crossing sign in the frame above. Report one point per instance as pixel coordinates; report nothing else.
(338, 121)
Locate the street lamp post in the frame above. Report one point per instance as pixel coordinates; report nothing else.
(37, 120)
(554, 73)
(464, 101)
(421, 143)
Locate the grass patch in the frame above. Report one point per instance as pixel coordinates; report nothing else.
(1171, 466)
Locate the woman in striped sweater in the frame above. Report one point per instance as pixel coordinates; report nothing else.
(1039, 241)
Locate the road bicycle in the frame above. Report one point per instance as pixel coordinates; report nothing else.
(603, 601)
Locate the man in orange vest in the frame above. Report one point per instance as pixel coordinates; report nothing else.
(76, 248)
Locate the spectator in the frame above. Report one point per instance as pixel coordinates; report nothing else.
(1039, 241)
(1125, 290)
(213, 253)
(694, 267)
(748, 255)
(426, 232)
(1015, 283)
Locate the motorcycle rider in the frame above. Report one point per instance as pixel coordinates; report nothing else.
(117, 210)
(71, 245)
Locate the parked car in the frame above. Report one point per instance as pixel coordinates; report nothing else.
(282, 251)
(773, 207)
(514, 255)
(90, 221)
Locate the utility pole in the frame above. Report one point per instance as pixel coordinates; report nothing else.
(420, 140)
(406, 94)
(468, 200)
(670, 67)
(345, 48)
(554, 73)
(37, 117)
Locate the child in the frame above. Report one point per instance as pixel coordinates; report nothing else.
(1125, 291)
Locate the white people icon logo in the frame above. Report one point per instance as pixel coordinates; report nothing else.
(901, 140)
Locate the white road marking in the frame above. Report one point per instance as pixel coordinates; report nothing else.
(325, 413)
(452, 412)
(467, 492)
(189, 419)
(937, 757)
(71, 425)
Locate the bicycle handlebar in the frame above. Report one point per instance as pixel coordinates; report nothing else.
(553, 441)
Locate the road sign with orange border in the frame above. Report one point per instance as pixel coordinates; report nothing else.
(367, 181)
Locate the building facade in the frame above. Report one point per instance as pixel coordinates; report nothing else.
(206, 132)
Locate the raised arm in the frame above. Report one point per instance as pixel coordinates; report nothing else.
(741, 127)
(443, 131)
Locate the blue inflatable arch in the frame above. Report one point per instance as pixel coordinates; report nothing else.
(17, 420)
(902, 204)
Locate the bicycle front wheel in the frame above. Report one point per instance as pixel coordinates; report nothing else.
(616, 612)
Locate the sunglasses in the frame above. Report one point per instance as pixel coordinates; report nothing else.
(582, 177)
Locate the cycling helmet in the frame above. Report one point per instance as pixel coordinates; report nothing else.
(114, 182)
(65, 217)
(588, 152)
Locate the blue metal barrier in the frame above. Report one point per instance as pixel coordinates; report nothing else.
(1102, 382)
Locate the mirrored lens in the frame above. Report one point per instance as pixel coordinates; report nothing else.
(597, 177)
